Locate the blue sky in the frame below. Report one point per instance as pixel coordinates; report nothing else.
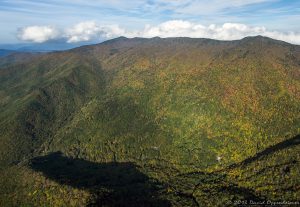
(86, 20)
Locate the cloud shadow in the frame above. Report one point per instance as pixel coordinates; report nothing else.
(111, 184)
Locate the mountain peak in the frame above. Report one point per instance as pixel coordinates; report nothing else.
(121, 38)
(262, 39)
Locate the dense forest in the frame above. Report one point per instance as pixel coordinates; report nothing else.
(151, 122)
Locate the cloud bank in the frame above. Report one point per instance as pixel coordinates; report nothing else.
(38, 34)
(92, 31)
(86, 31)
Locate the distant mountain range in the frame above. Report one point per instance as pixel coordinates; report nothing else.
(40, 47)
(4, 52)
(151, 122)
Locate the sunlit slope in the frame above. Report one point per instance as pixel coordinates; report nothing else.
(186, 102)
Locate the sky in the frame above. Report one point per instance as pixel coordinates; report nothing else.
(81, 21)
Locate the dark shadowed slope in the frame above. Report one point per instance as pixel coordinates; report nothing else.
(124, 184)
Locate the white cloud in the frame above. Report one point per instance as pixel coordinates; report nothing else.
(83, 31)
(38, 34)
(90, 30)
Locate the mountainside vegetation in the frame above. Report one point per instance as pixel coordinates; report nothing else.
(151, 122)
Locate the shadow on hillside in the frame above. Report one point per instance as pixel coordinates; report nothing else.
(270, 150)
(112, 184)
(214, 185)
(218, 183)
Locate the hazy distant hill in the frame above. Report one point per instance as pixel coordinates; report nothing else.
(42, 47)
(187, 122)
(5, 52)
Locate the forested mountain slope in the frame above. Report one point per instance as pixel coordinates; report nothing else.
(187, 117)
